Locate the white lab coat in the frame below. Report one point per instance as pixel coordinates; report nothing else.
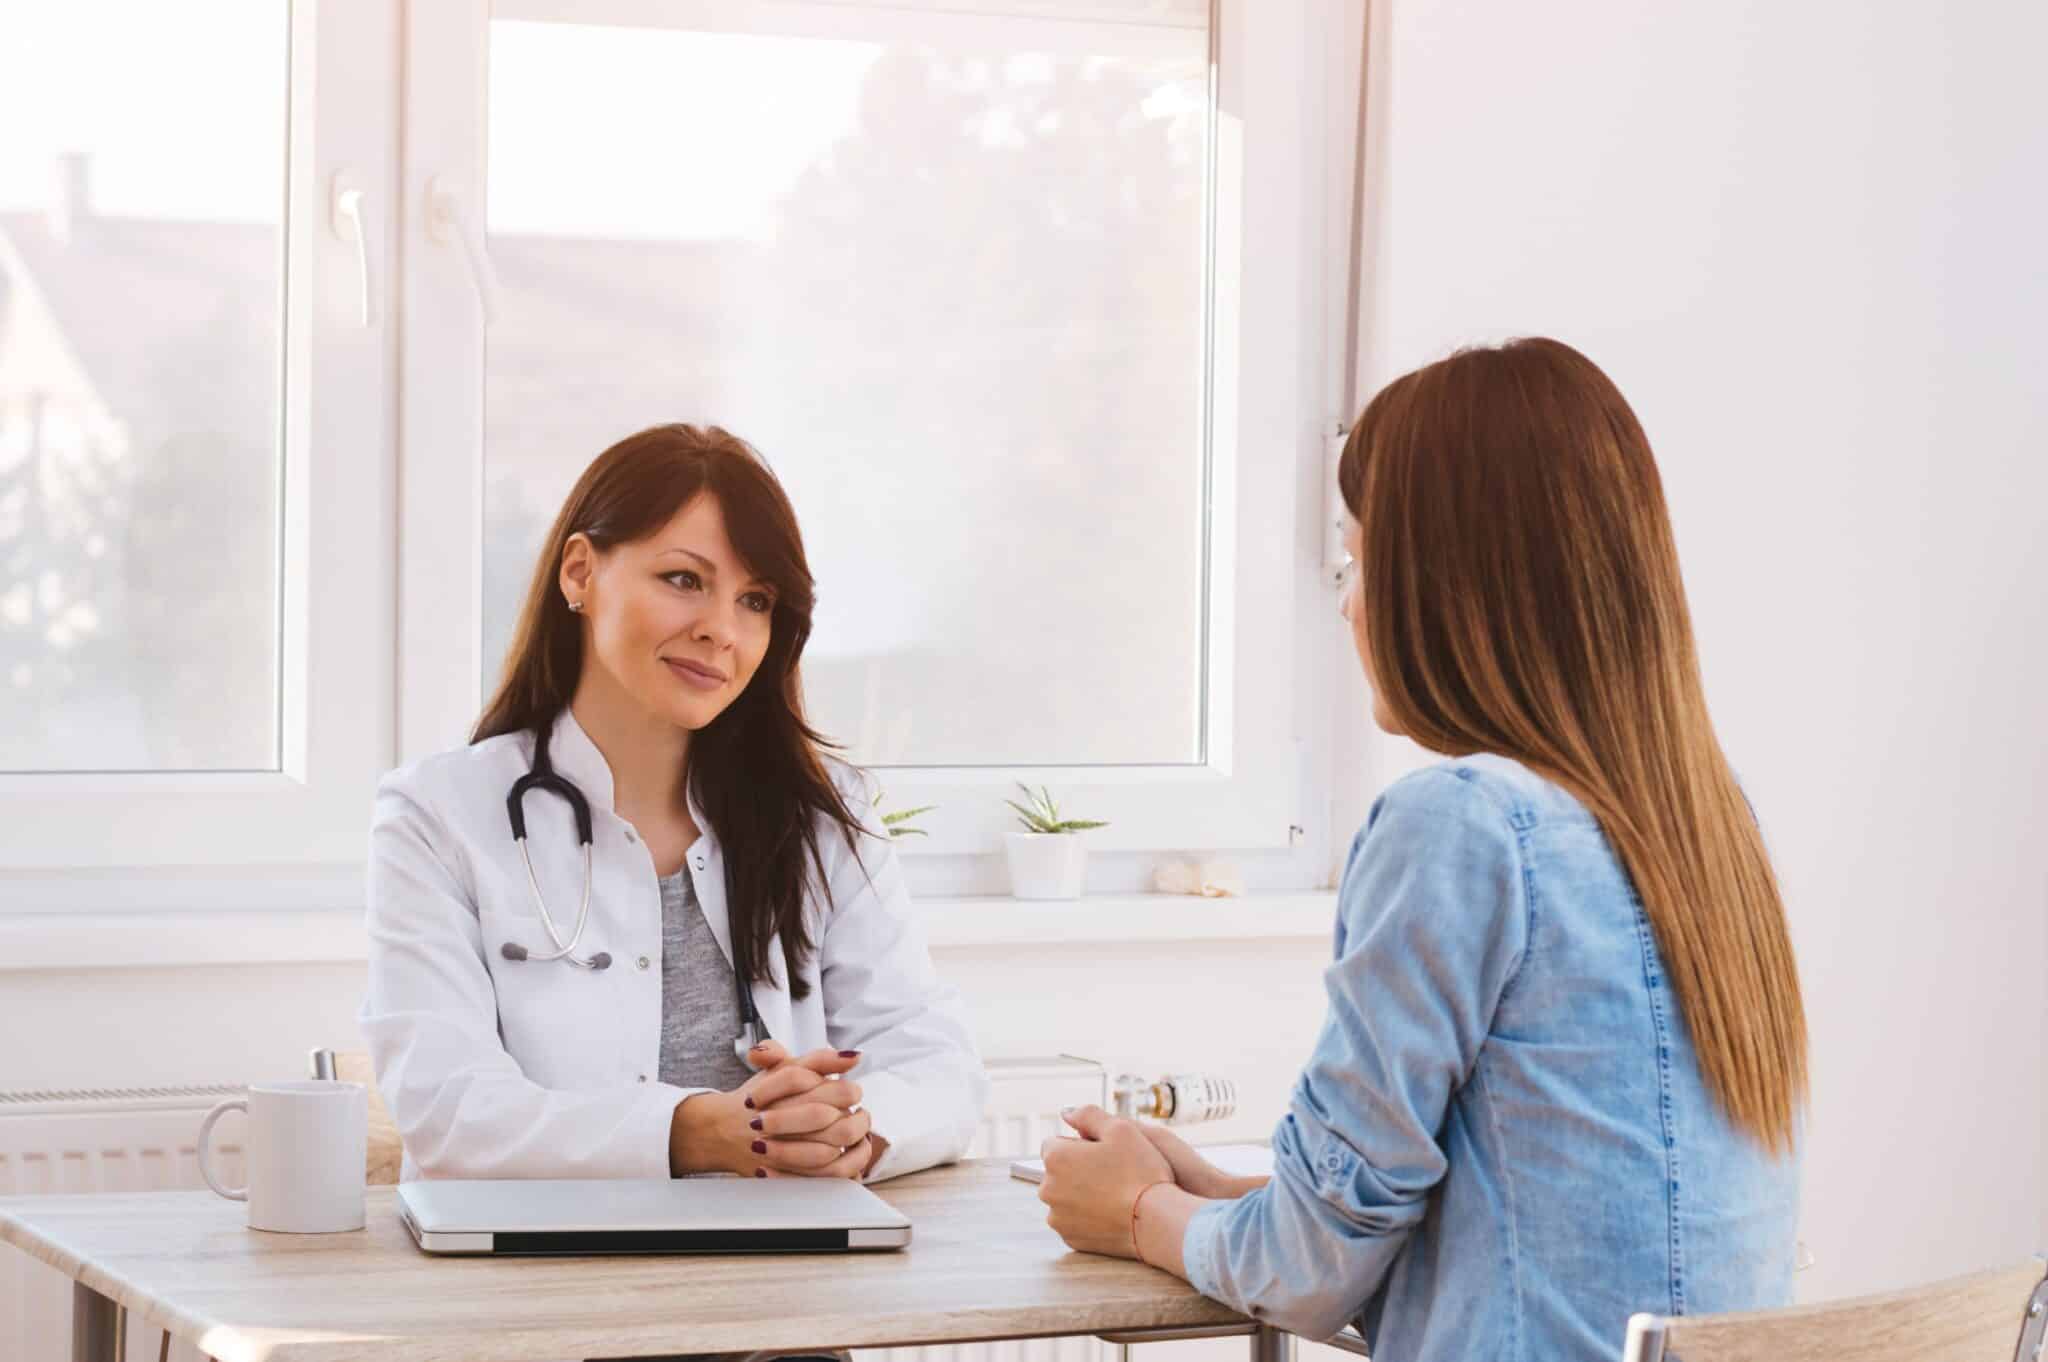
(494, 1068)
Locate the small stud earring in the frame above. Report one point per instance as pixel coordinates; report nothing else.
(576, 607)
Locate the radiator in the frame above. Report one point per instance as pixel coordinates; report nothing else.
(124, 1140)
(141, 1140)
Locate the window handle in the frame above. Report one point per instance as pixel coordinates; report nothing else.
(448, 218)
(351, 220)
(1336, 558)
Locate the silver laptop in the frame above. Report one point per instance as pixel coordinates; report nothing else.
(681, 1215)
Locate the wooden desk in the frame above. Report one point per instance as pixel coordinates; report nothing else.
(981, 1265)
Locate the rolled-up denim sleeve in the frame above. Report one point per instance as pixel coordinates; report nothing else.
(1432, 924)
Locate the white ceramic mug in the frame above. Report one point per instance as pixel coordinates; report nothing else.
(306, 1146)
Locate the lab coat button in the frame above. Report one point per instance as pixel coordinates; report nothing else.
(632, 836)
(643, 962)
(698, 862)
(643, 1078)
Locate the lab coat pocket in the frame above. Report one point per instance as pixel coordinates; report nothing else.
(550, 1012)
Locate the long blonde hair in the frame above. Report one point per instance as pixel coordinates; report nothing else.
(1520, 593)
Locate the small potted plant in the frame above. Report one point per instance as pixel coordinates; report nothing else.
(899, 822)
(1047, 860)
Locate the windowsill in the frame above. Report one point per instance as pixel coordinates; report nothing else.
(168, 939)
(1101, 918)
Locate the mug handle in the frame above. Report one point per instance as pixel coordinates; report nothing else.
(205, 1148)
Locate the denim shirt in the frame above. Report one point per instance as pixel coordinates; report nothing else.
(1502, 1146)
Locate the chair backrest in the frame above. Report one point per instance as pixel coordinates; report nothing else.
(385, 1150)
(1995, 1316)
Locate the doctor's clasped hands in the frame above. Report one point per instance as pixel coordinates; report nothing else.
(798, 1117)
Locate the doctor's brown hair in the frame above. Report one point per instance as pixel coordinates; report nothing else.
(1520, 595)
(757, 770)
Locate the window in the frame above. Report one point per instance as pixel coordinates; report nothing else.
(976, 279)
(985, 280)
(950, 282)
(191, 669)
(141, 318)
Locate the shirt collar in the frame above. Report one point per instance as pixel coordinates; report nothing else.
(578, 759)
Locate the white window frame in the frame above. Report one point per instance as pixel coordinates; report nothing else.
(1259, 787)
(336, 551)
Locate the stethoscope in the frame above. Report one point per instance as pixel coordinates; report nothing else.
(542, 776)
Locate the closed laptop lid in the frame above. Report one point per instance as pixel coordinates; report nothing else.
(604, 1206)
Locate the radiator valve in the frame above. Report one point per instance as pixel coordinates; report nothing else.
(1176, 1099)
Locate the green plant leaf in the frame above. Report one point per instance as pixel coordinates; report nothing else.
(908, 832)
(1037, 809)
(1043, 816)
(1030, 818)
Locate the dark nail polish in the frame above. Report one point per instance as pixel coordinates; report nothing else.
(760, 1146)
(760, 1172)
(755, 1124)
(849, 1054)
(750, 1104)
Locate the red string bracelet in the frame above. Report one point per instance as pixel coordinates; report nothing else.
(1135, 1202)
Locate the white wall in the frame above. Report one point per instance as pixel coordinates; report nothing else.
(1806, 240)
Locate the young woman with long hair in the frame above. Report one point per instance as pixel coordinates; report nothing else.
(1564, 1062)
(641, 925)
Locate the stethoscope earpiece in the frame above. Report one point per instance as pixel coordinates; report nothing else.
(512, 950)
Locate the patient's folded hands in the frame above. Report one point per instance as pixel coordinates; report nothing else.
(1195, 1173)
(1092, 1184)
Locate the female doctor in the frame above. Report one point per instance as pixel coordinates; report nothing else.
(641, 926)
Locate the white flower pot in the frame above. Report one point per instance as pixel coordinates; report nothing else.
(1047, 865)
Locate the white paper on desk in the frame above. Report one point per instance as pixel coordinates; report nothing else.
(1238, 1160)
